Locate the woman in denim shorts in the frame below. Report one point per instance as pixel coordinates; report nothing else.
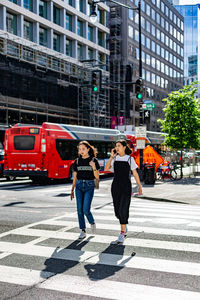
(86, 168)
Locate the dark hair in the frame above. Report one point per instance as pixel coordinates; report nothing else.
(92, 152)
(124, 143)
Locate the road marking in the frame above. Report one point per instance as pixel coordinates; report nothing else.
(134, 242)
(93, 257)
(104, 288)
(132, 229)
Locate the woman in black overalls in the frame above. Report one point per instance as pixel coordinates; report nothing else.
(122, 164)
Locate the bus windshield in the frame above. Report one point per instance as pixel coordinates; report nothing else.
(25, 142)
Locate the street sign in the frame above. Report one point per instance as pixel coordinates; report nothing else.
(147, 101)
(140, 144)
(140, 131)
(148, 106)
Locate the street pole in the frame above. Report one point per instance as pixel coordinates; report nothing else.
(140, 73)
(138, 8)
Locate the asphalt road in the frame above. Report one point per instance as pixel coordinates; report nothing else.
(41, 257)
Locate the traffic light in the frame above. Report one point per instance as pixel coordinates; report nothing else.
(139, 89)
(96, 81)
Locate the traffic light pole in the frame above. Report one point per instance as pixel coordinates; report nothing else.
(138, 8)
(140, 73)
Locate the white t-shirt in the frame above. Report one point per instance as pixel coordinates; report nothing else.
(127, 158)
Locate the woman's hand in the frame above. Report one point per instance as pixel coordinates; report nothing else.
(92, 164)
(140, 190)
(72, 195)
(113, 152)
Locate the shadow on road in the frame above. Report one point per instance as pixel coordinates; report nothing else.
(100, 270)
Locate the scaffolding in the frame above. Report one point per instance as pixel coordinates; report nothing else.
(117, 66)
(91, 110)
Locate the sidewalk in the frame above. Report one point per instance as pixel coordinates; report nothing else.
(186, 191)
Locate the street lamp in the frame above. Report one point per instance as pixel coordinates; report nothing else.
(93, 15)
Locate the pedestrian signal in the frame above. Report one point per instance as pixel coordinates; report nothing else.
(96, 81)
(139, 89)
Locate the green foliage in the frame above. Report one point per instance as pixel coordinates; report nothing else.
(182, 119)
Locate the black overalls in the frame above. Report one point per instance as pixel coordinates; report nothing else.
(121, 190)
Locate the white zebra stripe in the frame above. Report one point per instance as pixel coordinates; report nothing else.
(84, 286)
(136, 262)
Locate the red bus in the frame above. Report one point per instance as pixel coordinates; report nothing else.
(48, 151)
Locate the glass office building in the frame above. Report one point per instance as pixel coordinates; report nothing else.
(190, 9)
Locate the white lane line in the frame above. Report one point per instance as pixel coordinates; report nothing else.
(156, 210)
(131, 229)
(134, 242)
(107, 289)
(153, 264)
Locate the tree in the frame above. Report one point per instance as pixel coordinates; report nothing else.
(182, 120)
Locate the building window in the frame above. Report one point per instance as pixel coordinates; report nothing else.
(166, 11)
(101, 16)
(162, 37)
(80, 28)
(101, 40)
(79, 5)
(69, 2)
(148, 59)
(90, 54)
(158, 18)
(143, 39)
(158, 3)
(158, 34)
(43, 36)
(153, 46)
(56, 42)
(43, 9)
(158, 49)
(153, 30)
(56, 15)
(136, 35)
(90, 33)
(11, 23)
(28, 4)
(148, 43)
(28, 30)
(162, 22)
(157, 64)
(13, 1)
(130, 32)
(148, 10)
(80, 52)
(153, 78)
(130, 14)
(162, 7)
(148, 27)
(171, 15)
(68, 22)
(153, 14)
(68, 47)
(153, 62)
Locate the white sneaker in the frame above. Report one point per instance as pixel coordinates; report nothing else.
(82, 235)
(120, 239)
(93, 228)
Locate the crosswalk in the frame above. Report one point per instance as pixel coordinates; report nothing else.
(160, 257)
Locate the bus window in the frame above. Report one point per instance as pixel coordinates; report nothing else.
(67, 149)
(24, 142)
